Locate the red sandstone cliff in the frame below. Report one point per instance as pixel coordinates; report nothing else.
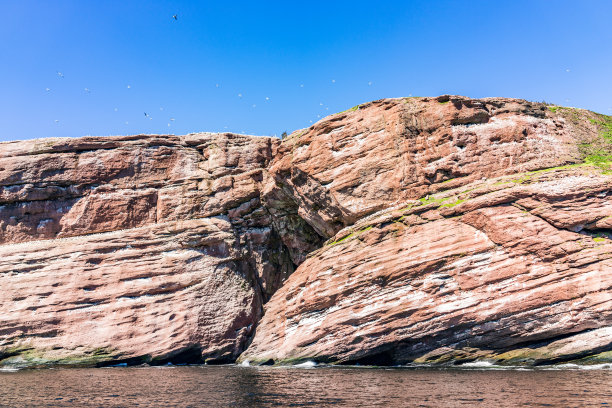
(444, 243)
(137, 249)
(423, 230)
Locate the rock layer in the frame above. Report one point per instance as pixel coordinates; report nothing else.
(137, 249)
(432, 230)
(461, 276)
(382, 153)
(492, 262)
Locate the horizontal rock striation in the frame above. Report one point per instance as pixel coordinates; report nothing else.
(424, 230)
(137, 249)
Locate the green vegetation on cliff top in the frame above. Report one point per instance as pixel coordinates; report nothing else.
(597, 152)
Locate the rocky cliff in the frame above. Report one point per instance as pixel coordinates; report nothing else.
(134, 249)
(427, 230)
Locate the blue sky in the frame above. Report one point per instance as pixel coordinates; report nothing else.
(263, 67)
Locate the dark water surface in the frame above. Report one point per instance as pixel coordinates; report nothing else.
(232, 386)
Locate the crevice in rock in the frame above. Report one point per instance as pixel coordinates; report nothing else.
(582, 230)
(384, 357)
(132, 361)
(597, 232)
(188, 355)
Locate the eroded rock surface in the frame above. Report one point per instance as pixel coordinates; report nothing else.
(458, 277)
(492, 262)
(137, 249)
(427, 230)
(382, 153)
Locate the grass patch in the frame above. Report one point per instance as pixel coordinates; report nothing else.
(353, 109)
(528, 176)
(432, 200)
(352, 234)
(604, 123)
(599, 151)
(450, 205)
(600, 159)
(296, 135)
(567, 166)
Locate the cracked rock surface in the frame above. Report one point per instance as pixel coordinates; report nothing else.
(410, 230)
(134, 249)
(457, 230)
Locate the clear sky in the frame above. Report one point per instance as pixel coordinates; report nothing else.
(263, 67)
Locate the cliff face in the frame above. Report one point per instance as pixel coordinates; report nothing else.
(442, 245)
(423, 230)
(134, 249)
(491, 270)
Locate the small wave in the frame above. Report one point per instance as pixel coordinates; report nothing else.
(8, 369)
(569, 366)
(245, 363)
(478, 364)
(306, 364)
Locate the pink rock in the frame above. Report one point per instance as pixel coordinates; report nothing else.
(427, 230)
(112, 249)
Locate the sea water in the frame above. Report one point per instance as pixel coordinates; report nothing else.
(309, 385)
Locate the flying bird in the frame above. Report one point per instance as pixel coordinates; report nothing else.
(175, 17)
(59, 74)
(47, 89)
